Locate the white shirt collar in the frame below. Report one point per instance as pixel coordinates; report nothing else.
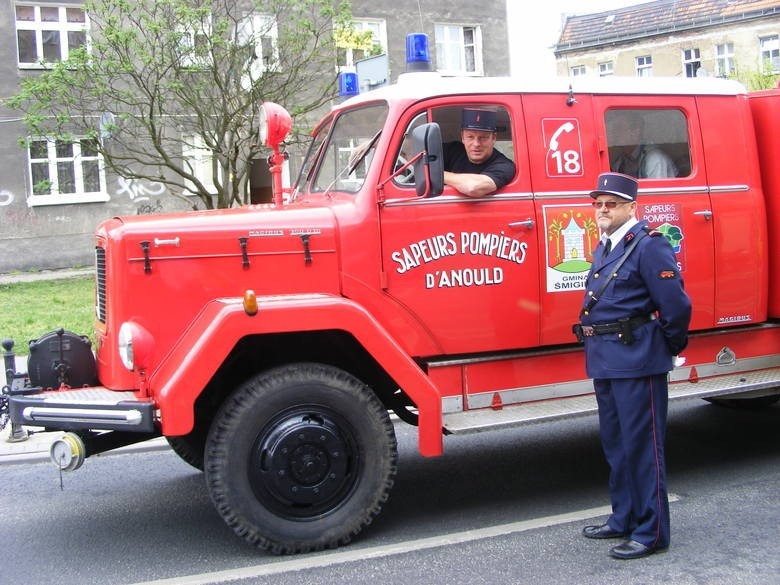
(620, 233)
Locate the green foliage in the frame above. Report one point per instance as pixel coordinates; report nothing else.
(30, 309)
(757, 79)
(180, 75)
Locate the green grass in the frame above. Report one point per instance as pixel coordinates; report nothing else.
(30, 309)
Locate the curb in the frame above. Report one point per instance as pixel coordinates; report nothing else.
(15, 277)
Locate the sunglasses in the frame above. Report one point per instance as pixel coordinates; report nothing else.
(608, 204)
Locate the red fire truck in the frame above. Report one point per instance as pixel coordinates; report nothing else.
(271, 343)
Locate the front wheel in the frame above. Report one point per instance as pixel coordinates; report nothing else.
(300, 458)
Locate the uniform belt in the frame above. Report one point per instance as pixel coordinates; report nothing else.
(616, 327)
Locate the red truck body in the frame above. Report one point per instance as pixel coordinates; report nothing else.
(453, 312)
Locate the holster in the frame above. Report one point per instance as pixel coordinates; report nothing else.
(577, 330)
(626, 332)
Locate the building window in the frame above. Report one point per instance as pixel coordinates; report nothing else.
(65, 172)
(47, 34)
(724, 59)
(366, 38)
(691, 62)
(199, 161)
(458, 49)
(193, 44)
(770, 54)
(261, 30)
(606, 69)
(577, 70)
(644, 66)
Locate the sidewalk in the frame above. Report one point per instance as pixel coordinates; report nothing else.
(36, 447)
(14, 277)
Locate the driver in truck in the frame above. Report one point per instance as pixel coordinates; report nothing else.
(472, 165)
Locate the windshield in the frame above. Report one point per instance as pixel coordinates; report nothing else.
(349, 147)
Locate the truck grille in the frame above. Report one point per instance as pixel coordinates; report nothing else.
(100, 284)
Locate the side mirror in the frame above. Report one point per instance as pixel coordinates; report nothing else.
(429, 168)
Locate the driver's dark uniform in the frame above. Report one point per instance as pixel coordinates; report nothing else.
(498, 167)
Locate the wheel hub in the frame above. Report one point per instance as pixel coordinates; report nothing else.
(302, 464)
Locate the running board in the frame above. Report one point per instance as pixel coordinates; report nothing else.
(742, 385)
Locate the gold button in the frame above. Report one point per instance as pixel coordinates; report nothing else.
(596, 275)
(590, 293)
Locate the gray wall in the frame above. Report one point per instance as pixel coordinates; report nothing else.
(61, 236)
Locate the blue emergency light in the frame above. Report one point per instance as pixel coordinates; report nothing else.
(348, 84)
(418, 57)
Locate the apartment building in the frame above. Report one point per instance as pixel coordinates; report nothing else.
(677, 38)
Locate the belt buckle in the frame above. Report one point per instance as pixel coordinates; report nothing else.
(588, 331)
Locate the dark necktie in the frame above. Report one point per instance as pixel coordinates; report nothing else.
(607, 247)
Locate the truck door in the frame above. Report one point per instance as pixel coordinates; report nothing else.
(674, 194)
(564, 165)
(466, 268)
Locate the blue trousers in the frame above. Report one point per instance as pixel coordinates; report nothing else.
(632, 419)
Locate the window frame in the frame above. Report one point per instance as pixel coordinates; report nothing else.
(606, 68)
(53, 160)
(445, 47)
(378, 36)
(578, 71)
(39, 26)
(260, 26)
(691, 58)
(198, 158)
(725, 63)
(771, 54)
(643, 65)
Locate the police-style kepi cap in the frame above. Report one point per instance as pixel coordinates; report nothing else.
(616, 184)
(478, 119)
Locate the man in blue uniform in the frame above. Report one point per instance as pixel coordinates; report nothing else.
(472, 165)
(634, 321)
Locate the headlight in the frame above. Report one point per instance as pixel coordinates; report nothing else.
(135, 345)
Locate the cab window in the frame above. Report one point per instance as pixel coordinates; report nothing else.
(648, 144)
(449, 120)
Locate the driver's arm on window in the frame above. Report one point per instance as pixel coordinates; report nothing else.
(470, 184)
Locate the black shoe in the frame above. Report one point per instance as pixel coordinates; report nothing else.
(631, 550)
(601, 532)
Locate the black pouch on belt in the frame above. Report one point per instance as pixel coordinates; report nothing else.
(626, 333)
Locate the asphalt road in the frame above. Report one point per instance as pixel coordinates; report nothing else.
(499, 508)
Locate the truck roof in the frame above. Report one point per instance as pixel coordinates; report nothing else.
(416, 86)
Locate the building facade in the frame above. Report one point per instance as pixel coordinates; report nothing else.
(677, 38)
(53, 195)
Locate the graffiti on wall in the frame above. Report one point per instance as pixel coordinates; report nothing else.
(147, 208)
(139, 189)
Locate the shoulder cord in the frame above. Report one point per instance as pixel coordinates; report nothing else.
(613, 273)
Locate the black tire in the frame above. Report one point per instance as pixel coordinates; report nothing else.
(300, 458)
(190, 447)
(746, 403)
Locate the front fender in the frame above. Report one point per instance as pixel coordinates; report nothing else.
(195, 358)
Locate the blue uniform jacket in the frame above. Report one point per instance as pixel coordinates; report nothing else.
(648, 282)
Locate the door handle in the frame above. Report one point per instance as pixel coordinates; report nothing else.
(706, 213)
(528, 224)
